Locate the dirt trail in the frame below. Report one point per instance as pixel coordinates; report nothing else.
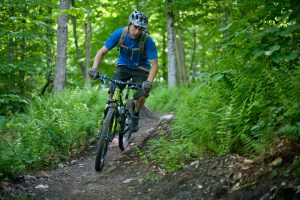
(79, 180)
(126, 176)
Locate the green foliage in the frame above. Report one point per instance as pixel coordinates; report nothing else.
(232, 113)
(242, 55)
(163, 99)
(27, 42)
(292, 128)
(10, 103)
(52, 130)
(169, 154)
(248, 89)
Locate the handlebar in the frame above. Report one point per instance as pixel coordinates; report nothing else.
(103, 78)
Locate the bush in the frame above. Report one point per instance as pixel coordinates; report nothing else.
(235, 112)
(163, 99)
(52, 130)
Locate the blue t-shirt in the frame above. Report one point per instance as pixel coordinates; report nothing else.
(132, 59)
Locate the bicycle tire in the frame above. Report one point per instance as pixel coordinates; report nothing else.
(125, 131)
(102, 143)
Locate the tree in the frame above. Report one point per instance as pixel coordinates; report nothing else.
(171, 46)
(87, 29)
(61, 56)
(180, 58)
(84, 69)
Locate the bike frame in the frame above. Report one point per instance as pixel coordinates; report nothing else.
(119, 106)
(114, 119)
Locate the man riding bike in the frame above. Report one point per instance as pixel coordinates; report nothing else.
(137, 59)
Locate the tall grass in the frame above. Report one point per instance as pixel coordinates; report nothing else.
(165, 100)
(238, 112)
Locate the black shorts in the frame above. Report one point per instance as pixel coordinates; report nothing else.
(124, 74)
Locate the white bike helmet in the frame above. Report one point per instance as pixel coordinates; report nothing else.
(139, 19)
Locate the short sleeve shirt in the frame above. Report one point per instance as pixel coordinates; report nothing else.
(132, 59)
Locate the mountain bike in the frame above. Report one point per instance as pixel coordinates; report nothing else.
(116, 119)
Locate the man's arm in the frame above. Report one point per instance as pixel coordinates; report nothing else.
(99, 57)
(153, 70)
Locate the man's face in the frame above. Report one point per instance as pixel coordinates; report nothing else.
(134, 31)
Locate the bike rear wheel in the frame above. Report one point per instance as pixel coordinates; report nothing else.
(102, 143)
(125, 130)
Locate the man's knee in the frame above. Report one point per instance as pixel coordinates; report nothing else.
(141, 93)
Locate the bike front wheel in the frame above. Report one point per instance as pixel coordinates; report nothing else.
(102, 143)
(125, 126)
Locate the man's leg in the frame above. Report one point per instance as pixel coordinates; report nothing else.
(138, 77)
(136, 114)
(139, 103)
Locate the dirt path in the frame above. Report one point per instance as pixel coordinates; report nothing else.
(126, 176)
(79, 180)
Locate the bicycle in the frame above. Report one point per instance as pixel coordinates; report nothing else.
(116, 118)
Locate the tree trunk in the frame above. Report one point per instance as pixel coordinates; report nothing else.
(78, 57)
(164, 58)
(171, 46)
(88, 30)
(11, 42)
(21, 70)
(11, 50)
(49, 53)
(180, 58)
(61, 57)
(193, 67)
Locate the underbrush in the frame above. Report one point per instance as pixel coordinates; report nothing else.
(233, 112)
(53, 129)
(251, 95)
(164, 100)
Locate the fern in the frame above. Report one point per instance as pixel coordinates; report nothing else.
(53, 129)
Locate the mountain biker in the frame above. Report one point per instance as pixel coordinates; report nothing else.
(137, 59)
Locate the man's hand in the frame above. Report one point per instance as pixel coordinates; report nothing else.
(94, 73)
(146, 87)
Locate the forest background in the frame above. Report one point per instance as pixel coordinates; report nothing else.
(229, 71)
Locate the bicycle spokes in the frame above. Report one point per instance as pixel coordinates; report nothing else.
(102, 144)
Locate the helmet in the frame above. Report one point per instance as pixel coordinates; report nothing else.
(139, 19)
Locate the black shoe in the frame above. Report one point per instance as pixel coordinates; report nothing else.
(134, 123)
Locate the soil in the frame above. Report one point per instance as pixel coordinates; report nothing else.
(128, 176)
